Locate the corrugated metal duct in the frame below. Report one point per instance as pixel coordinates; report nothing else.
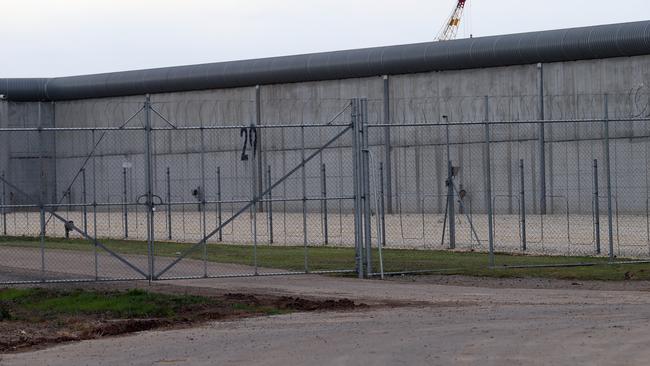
(615, 40)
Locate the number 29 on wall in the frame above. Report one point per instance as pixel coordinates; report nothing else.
(249, 135)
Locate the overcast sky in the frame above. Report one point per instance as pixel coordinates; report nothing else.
(69, 37)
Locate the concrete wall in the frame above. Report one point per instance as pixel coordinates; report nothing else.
(572, 90)
(28, 157)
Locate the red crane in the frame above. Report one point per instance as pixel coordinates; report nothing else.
(450, 30)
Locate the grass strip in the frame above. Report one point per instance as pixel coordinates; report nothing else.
(324, 258)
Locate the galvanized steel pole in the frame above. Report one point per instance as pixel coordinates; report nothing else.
(324, 202)
(270, 205)
(356, 182)
(42, 242)
(4, 203)
(96, 255)
(596, 208)
(387, 146)
(488, 184)
(85, 199)
(169, 204)
(542, 144)
(367, 229)
(219, 207)
(125, 207)
(304, 196)
(608, 171)
(522, 204)
(149, 186)
(254, 211)
(202, 192)
(258, 145)
(381, 206)
(41, 195)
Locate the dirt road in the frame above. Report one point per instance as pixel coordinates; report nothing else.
(427, 324)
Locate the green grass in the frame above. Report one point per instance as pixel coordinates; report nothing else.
(328, 258)
(129, 304)
(37, 304)
(10, 294)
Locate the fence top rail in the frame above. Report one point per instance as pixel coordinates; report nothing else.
(170, 128)
(328, 125)
(49, 129)
(523, 122)
(260, 126)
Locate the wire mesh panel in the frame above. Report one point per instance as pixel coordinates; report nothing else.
(69, 230)
(249, 199)
(628, 154)
(556, 186)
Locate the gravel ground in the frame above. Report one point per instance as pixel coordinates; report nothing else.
(554, 234)
(533, 322)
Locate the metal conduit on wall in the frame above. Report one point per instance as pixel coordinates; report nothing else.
(604, 41)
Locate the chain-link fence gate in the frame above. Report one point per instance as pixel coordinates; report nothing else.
(176, 190)
(158, 198)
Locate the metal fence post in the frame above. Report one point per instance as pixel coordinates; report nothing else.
(323, 187)
(387, 146)
(202, 193)
(451, 209)
(41, 158)
(542, 144)
(596, 208)
(85, 200)
(4, 203)
(363, 104)
(522, 204)
(356, 182)
(254, 211)
(41, 198)
(381, 204)
(219, 207)
(149, 186)
(488, 184)
(125, 208)
(42, 241)
(258, 146)
(304, 196)
(169, 204)
(609, 181)
(269, 210)
(254, 208)
(96, 254)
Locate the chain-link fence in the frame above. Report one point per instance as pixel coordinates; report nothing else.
(187, 190)
(571, 189)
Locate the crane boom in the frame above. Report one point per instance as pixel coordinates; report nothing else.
(450, 29)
